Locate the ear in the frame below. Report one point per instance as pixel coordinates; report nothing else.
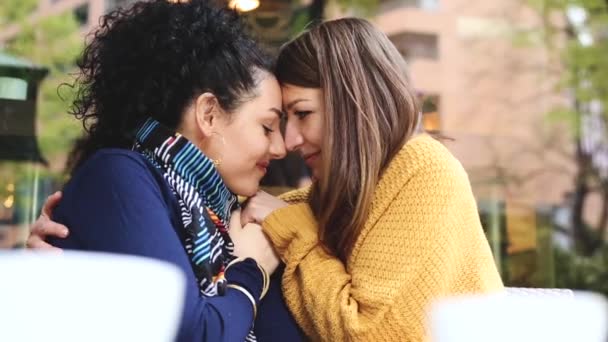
(207, 112)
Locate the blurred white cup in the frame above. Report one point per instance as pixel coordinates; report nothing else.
(582, 317)
(81, 296)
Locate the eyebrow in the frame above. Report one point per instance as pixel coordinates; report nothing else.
(294, 102)
(278, 112)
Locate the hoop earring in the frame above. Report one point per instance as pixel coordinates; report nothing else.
(219, 160)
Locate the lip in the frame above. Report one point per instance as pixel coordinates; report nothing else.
(263, 166)
(311, 158)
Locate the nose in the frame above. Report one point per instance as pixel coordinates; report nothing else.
(277, 147)
(293, 136)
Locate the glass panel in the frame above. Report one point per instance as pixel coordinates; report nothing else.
(430, 5)
(414, 45)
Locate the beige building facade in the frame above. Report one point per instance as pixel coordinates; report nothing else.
(488, 85)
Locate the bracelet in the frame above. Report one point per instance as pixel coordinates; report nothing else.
(248, 294)
(266, 279)
(265, 276)
(234, 261)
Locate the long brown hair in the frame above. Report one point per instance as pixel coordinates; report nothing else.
(370, 112)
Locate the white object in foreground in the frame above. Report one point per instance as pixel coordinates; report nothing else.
(502, 317)
(79, 296)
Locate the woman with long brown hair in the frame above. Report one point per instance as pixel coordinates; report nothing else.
(390, 223)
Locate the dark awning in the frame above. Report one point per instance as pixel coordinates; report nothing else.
(19, 81)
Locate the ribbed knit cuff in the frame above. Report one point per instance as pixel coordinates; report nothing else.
(295, 221)
(247, 274)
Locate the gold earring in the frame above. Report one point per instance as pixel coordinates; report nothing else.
(218, 161)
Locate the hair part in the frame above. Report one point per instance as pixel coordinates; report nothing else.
(371, 111)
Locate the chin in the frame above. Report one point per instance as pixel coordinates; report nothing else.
(246, 190)
(315, 173)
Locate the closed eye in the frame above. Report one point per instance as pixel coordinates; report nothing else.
(267, 130)
(301, 114)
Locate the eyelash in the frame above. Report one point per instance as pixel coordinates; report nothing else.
(267, 130)
(302, 114)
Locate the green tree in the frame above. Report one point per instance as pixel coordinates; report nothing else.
(575, 33)
(13, 11)
(54, 42)
(586, 77)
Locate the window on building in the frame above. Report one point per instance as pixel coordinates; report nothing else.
(81, 13)
(428, 5)
(113, 4)
(413, 45)
(431, 118)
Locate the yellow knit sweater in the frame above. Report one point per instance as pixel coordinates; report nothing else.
(422, 241)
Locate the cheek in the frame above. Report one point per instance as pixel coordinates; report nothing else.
(313, 131)
(239, 170)
(247, 149)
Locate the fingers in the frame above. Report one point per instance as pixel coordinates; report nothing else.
(35, 242)
(251, 208)
(260, 206)
(247, 216)
(50, 203)
(264, 194)
(253, 226)
(44, 227)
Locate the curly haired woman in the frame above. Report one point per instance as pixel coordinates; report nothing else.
(182, 114)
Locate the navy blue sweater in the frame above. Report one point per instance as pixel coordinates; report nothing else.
(118, 202)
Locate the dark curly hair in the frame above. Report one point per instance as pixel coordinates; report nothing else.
(151, 60)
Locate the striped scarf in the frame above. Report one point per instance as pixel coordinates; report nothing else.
(204, 200)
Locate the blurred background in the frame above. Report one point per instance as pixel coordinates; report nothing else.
(519, 87)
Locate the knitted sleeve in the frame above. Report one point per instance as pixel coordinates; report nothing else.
(427, 244)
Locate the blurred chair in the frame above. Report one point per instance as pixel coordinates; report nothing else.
(522, 315)
(78, 296)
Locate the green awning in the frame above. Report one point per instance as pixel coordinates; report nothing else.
(16, 62)
(15, 67)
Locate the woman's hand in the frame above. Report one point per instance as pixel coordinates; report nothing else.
(251, 242)
(258, 207)
(45, 227)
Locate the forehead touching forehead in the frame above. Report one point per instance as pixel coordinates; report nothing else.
(265, 98)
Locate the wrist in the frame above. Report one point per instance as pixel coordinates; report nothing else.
(247, 273)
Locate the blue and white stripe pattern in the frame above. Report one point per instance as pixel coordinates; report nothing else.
(198, 187)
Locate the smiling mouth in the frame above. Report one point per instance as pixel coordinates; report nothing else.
(262, 166)
(311, 158)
